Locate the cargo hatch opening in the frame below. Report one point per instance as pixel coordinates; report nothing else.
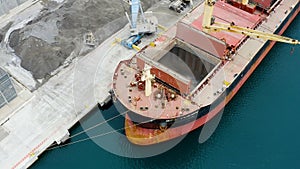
(189, 61)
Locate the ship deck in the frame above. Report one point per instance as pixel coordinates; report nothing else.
(153, 106)
(227, 14)
(230, 71)
(245, 53)
(214, 84)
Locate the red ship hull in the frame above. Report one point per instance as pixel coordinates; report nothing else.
(143, 136)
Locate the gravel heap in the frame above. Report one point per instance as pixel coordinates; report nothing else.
(46, 42)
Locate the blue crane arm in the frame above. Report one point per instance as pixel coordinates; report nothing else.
(135, 6)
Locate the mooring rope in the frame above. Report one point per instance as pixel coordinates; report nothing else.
(97, 125)
(92, 137)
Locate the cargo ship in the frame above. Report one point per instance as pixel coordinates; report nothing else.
(188, 74)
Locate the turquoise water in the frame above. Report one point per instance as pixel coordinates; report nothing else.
(259, 128)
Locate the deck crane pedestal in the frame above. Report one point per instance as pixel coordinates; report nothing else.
(140, 25)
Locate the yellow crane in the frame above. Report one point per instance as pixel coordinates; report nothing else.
(209, 25)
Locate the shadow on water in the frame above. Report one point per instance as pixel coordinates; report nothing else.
(110, 116)
(109, 113)
(98, 117)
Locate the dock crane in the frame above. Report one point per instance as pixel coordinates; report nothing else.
(139, 26)
(209, 25)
